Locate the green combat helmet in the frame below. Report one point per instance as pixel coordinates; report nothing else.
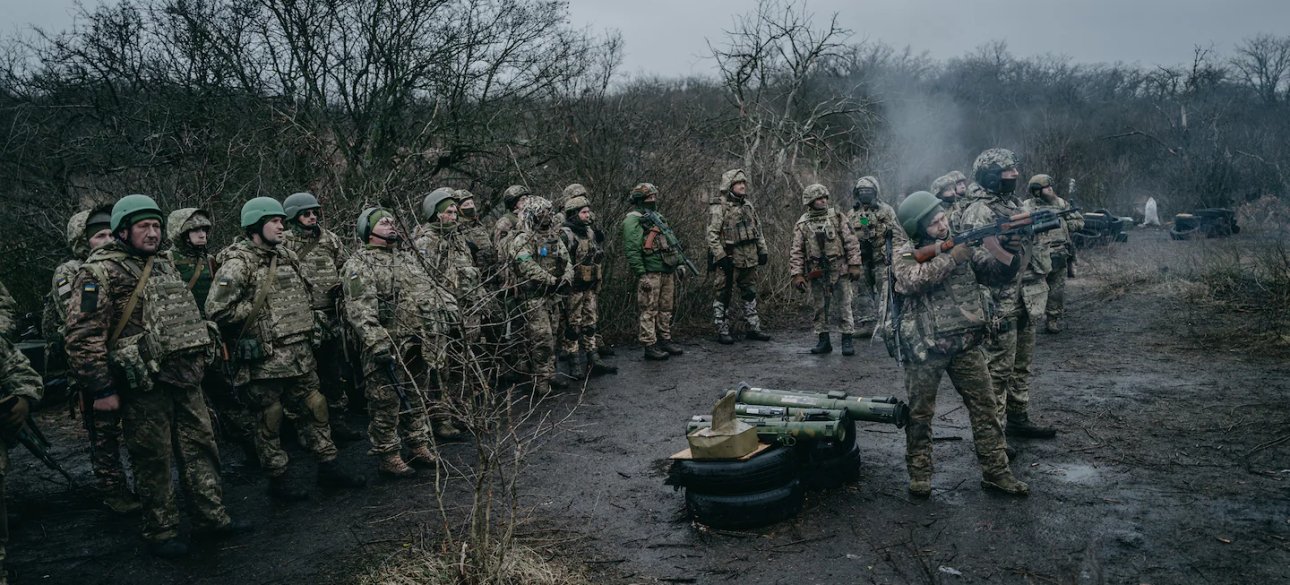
(365, 221)
(812, 192)
(296, 203)
(135, 208)
(990, 165)
(260, 209)
(512, 195)
(1039, 183)
(641, 191)
(913, 209)
(430, 204)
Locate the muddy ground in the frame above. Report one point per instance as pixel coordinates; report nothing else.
(1167, 470)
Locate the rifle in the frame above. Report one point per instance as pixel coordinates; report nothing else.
(893, 304)
(669, 236)
(404, 405)
(822, 264)
(29, 435)
(1028, 223)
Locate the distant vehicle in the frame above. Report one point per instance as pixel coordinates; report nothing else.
(1101, 227)
(1204, 223)
(52, 369)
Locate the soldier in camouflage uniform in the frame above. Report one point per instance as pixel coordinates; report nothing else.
(655, 265)
(540, 271)
(870, 219)
(944, 316)
(401, 315)
(736, 247)
(514, 199)
(137, 342)
(990, 198)
(261, 300)
(87, 231)
(586, 246)
(824, 251)
(8, 314)
(1057, 243)
(321, 255)
(481, 241)
(21, 386)
(959, 198)
(944, 188)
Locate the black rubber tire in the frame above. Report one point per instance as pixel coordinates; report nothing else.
(829, 467)
(770, 469)
(749, 510)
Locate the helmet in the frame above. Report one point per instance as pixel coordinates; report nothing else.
(1039, 182)
(573, 204)
(866, 183)
(575, 190)
(364, 223)
(83, 224)
(941, 183)
(182, 221)
(133, 208)
(812, 192)
(730, 177)
(430, 204)
(537, 211)
(914, 208)
(989, 166)
(641, 191)
(511, 196)
(462, 195)
(259, 209)
(956, 176)
(298, 202)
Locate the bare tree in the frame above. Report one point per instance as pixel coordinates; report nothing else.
(1263, 63)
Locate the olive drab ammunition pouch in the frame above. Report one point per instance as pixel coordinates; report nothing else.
(740, 225)
(323, 274)
(588, 257)
(825, 245)
(951, 314)
(288, 318)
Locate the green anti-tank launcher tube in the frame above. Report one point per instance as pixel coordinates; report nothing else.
(884, 409)
(789, 414)
(783, 432)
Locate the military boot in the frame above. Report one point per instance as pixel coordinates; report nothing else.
(756, 335)
(598, 366)
(566, 366)
(920, 487)
(121, 500)
(823, 345)
(393, 466)
(170, 548)
(422, 457)
(445, 430)
(1019, 425)
(605, 351)
(331, 475)
(670, 347)
(725, 338)
(341, 432)
(280, 489)
(1005, 483)
(848, 348)
(654, 352)
(1054, 325)
(558, 381)
(235, 527)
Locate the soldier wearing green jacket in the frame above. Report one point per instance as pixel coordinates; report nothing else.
(655, 265)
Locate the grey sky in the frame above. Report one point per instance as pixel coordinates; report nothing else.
(667, 36)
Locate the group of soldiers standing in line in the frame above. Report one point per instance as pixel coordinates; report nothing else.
(146, 315)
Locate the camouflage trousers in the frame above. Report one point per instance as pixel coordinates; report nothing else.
(266, 399)
(231, 417)
(724, 284)
(1056, 306)
(656, 300)
(334, 375)
(1001, 356)
(830, 299)
(105, 448)
(395, 420)
(1017, 390)
(155, 423)
(866, 298)
(581, 313)
(970, 377)
(541, 321)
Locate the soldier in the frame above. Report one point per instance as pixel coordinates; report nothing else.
(603, 349)
(261, 300)
(88, 231)
(1057, 244)
(944, 316)
(513, 198)
(870, 219)
(396, 309)
(736, 247)
(586, 246)
(8, 314)
(137, 342)
(655, 265)
(944, 188)
(481, 243)
(540, 270)
(824, 250)
(989, 198)
(21, 386)
(321, 253)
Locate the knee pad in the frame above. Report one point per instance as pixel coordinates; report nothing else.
(589, 330)
(272, 417)
(317, 406)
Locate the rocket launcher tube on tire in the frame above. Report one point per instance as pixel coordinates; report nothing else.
(857, 407)
(782, 431)
(790, 414)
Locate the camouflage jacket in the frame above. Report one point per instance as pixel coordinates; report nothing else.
(321, 256)
(53, 321)
(734, 230)
(481, 239)
(8, 314)
(840, 247)
(1057, 242)
(539, 262)
(162, 338)
(586, 246)
(390, 299)
(870, 224)
(282, 326)
(17, 377)
(448, 256)
(979, 208)
(502, 231)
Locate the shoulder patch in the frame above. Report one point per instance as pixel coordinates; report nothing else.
(64, 287)
(89, 297)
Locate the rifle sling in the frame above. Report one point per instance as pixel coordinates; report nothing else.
(261, 297)
(197, 273)
(131, 303)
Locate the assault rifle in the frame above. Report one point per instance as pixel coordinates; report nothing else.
(822, 265)
(670, 237)
(1028, 223)
(29, 435)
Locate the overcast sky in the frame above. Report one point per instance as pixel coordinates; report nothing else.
(667, 36)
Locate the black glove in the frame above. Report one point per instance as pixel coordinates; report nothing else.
(571, 333)
(762, 258)
(726, 264)
(600, 236)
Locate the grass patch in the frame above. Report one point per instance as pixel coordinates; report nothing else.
(427, 566)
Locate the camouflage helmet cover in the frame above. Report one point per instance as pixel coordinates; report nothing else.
(868, 182)
(1039, 182)
(76, 236)
(990, 165)
(732, 176)
(956, 176)
(942, 183)
(641, 191)
(537, 211)
(511, 196)
(812, 192)
(462, 195)
(913, 209)
(573, 204)
(182, 221)
(430, 203)
(574, 190)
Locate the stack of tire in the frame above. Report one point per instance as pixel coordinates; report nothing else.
(767, 488)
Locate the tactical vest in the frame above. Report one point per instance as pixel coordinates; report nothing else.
(172, 325)
(823, 236)
(947, 319)
(287, 317)
(448, 252)
(546, 252)
(586, 254)
(653, 242)
(739, 224)
(319, 267)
